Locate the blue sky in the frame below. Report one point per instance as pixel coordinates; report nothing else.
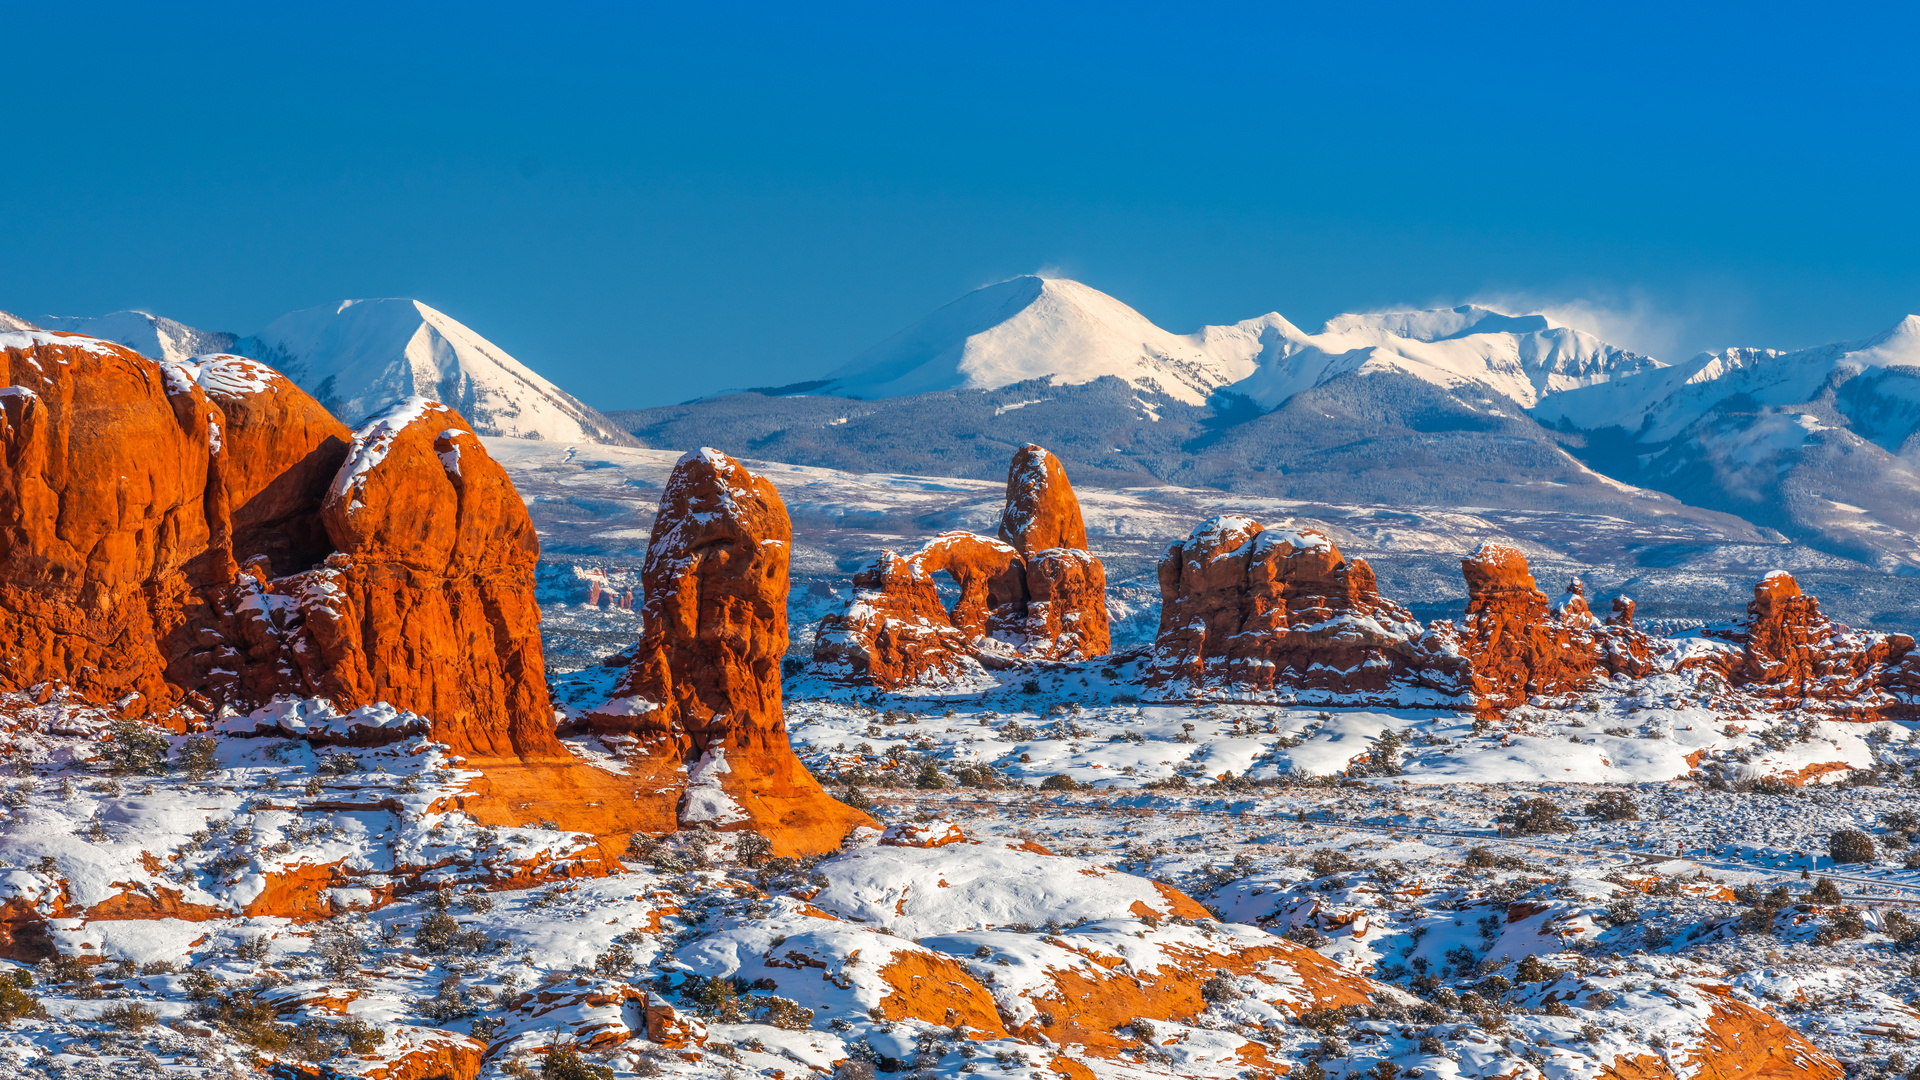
(647, 204)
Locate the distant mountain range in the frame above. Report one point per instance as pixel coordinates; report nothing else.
(1455, 407)
(360, 356)
(1463, 406)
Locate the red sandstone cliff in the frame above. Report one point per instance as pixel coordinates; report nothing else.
(203, 536)
(1247, 608)
(703, 691)
(1035, 593)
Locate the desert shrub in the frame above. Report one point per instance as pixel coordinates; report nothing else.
(134, 747)
(129, 1016)
(715, 998)
(856, 798)
(199, 757)
(1850, 846)
(1217, 990)
(1824, 891)
(1328, 861)
(1763, 907)
(783, 1013)
(1479, 858)
(1613, 806)
(1305, 934)
(752, 849)
(253, 948)
(565, 1063)
(1621, 911)
(1532, 970)
(929, 778)
(1538, 816)
(1059, 782)
(16, 1003)
(338, 763)
(617, 960)
(1901, 927)
(450, 1002)
(1030, 686)
(245, 1016)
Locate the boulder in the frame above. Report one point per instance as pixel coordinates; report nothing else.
(1247, 609)
(703, 691)
(1034, 593)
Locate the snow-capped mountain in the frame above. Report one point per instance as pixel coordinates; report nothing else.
(1032, 327)
(1523, 357)
(361, 356)
(144, 333)
(10, 321)
(1822, 444)
(1875, 382)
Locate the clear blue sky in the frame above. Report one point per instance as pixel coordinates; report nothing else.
(647, 204)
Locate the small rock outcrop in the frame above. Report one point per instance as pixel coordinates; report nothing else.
(1033, 593)
(1521, 645)
(703, 691)
(1247, 609)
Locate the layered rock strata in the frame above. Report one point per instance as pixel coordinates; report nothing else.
(703, 695)
(1283, 614)
(190, 538)
(1033, 593)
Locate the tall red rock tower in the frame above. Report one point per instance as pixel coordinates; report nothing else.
(703, 690)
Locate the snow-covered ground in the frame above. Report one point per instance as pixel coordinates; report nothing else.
(1547, 954)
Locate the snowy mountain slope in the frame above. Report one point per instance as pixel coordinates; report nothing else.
(1522, 357)
(10, 321)
(144, 333)
(1657, 405)
(1031, 327)
(360, 356)
(1819, 444)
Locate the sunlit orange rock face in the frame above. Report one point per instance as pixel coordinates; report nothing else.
(1247, 608)
(202, 536)
(1791, 653)
(703, 691)
(1520, 644)
(113, 509)
(1033, 593)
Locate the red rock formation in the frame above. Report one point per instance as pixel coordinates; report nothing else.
(1245, 609)
(1035, 593)
(1520, 645)
(113, 509)
(131, 486)
(704, 688)
(1789, 654)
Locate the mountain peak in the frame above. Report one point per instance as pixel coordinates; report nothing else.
(360, 356)
(1032, 327)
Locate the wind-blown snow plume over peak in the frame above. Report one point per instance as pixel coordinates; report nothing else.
(1034, 327)
(361, 356)
(149, 335)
